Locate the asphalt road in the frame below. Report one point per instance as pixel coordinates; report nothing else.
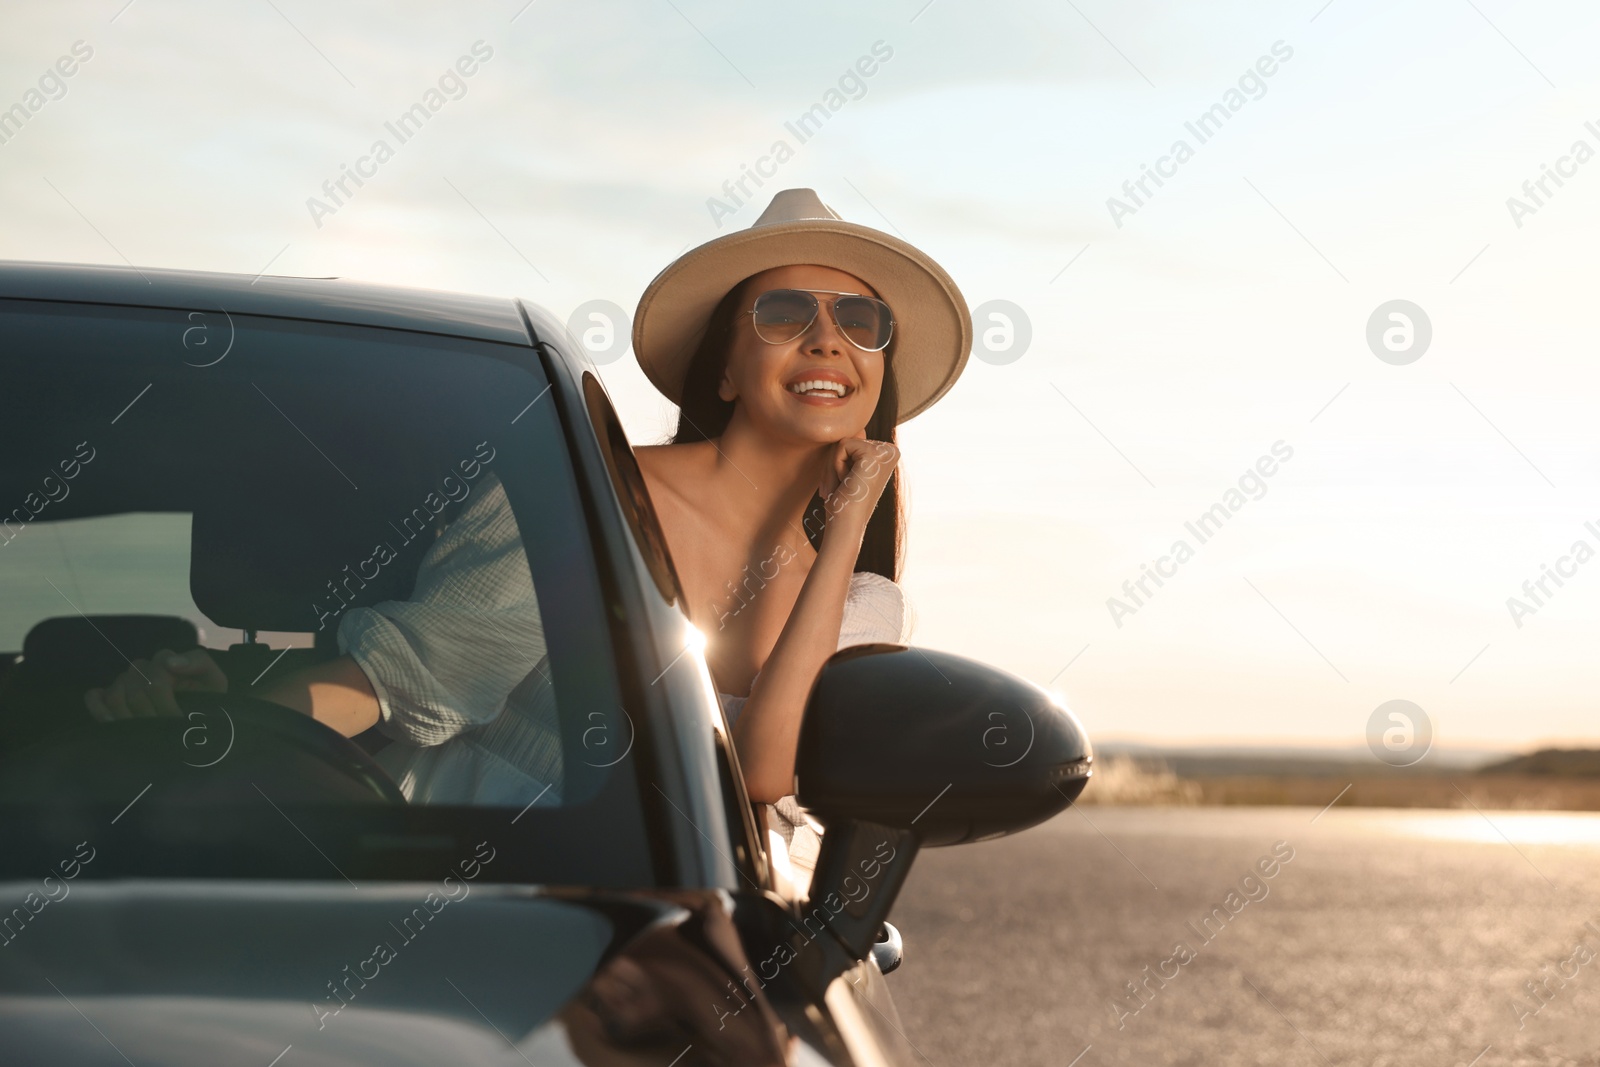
(1389, 937)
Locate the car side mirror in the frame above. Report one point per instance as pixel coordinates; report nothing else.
(908, 747)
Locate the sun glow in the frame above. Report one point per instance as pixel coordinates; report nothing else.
(697, 640)
(1498, 827)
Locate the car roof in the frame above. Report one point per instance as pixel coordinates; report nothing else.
(485, 318)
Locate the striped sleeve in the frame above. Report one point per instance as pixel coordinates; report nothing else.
(447, 659)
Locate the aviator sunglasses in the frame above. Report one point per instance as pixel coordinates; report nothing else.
(781, 315)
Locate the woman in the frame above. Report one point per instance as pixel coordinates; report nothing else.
(792, 350)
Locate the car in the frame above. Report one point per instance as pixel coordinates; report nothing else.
(206, 460)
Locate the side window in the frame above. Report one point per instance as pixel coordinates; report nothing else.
(631, 489)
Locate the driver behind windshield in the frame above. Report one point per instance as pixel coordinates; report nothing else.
(445, 675)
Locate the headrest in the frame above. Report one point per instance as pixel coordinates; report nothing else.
(284, 560)
(91, 648)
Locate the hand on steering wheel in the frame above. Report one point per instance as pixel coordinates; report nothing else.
(147, 687)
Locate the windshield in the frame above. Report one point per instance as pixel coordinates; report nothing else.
(318, 520)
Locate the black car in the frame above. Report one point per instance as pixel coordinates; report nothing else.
(245, 465)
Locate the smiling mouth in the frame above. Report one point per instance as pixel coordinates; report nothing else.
(820, 387)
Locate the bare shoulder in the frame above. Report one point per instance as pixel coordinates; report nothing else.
(674, 467)
(670, 457)
(668, 454)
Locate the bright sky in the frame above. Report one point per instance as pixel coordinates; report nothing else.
(1227, 313)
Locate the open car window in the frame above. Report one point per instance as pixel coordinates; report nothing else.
(280, 494)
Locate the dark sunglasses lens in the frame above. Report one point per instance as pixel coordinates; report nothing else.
(783, 314)
(864, 321)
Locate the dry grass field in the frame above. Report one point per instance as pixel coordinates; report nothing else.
(1140, 782)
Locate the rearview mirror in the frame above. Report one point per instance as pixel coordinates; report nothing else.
(906, 747)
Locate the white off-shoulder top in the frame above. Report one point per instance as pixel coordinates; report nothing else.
(875, 609)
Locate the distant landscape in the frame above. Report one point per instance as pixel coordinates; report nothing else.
(1549, 779)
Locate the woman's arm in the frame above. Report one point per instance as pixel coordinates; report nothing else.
(336, 693)
(767, 732)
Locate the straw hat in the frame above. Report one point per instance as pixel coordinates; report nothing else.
(933, 329)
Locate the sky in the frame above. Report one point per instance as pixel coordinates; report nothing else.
(1177, 337)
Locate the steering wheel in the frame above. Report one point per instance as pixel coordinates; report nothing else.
(226, 748)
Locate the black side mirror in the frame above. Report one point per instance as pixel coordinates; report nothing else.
(906, 747)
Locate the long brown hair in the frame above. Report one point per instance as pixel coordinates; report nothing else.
(703, 415)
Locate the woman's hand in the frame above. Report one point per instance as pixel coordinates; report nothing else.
(146, 688)
(854, 479)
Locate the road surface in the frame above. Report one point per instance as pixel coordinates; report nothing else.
(1382, 937)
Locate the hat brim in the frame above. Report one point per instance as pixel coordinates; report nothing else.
(933, 329)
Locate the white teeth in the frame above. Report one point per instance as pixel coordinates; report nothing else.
(818, 386)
